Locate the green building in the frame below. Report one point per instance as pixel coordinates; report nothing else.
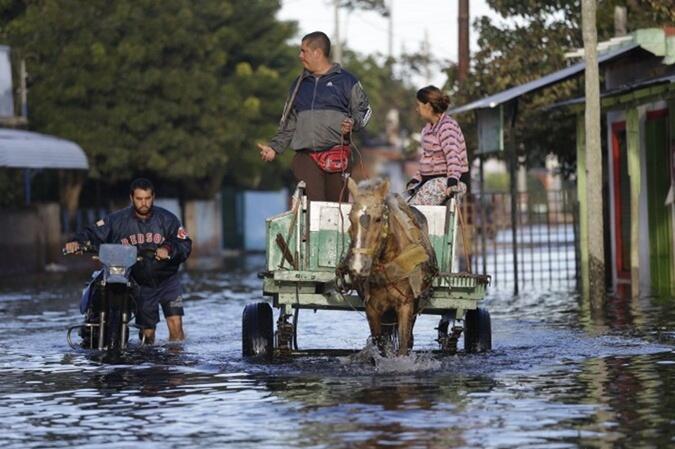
(638, 108)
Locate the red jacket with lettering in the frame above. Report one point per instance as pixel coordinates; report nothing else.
(162, 228)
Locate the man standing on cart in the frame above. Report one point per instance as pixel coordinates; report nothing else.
(325, 104)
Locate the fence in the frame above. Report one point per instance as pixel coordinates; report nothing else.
(534, 244)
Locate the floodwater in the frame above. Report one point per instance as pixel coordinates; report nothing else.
(558, 377)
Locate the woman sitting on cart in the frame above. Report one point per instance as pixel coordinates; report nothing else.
(444, 158)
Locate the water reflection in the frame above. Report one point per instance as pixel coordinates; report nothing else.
(560, 376)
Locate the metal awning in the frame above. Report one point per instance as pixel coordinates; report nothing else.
(25, 149)
(625, 89)
(555, 77)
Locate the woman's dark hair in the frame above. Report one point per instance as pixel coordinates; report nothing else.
(435, 97)
(141, 183)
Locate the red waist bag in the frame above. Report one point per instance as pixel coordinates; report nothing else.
(333, 160)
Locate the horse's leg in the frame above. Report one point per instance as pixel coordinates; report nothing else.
(406, 318)
(374, 321)
(412, 326)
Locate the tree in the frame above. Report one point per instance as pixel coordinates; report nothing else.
(594, 272)
(513, 55)
(385, 90)
(178, 89)
(529, 44)
(379, 6)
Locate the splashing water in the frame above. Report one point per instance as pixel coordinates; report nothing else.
(553, 379)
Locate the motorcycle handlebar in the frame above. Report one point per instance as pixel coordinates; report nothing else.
(85, 247)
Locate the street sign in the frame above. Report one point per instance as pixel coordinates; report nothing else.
(490, 124)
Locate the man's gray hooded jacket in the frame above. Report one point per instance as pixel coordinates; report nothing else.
(317, 112)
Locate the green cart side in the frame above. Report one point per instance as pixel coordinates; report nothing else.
(303, 248)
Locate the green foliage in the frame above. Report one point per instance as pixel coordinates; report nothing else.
(11, 187)
(384, 89)
(178, 89)
(373, 5)
(497, 182)
(528, 44)
(514, 55)
(641, 13)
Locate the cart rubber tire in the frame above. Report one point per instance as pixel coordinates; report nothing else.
(477, 331)
(257, 330)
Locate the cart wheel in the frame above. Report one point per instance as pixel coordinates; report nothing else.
(257, 330)
(447, 337)
(477, 331)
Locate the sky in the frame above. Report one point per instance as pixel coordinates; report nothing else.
(367, 32)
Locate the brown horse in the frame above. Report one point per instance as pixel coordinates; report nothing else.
(390, 261)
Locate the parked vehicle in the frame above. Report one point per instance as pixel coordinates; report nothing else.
(107, 300)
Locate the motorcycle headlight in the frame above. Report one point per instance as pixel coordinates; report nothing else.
(117, 270)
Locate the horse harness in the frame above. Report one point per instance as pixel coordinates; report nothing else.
(402, 266)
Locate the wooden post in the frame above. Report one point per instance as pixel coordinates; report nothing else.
(481, 202)
(633, 156)
(620, 19)
(596, 251)
(671, 124)
(463, 40)
(390, 30)
(583, 205)
(337, 45)
(71, 183)
(513, 169)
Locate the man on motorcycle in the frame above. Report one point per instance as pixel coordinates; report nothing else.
(159, 236)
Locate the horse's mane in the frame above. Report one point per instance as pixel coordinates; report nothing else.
(408, 255)
(413, 225)
(370, 185)
(406, 215)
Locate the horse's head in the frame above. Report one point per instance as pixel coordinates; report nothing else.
(369, 225)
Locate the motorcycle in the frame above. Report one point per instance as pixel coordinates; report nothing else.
(107, 300)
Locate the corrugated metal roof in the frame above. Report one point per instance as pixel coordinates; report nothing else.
(611, 44)
(555, 77)
(667, 79)
(25, 149)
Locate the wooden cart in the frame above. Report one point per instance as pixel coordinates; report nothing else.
(303, 247)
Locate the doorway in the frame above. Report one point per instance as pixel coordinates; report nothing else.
(658, 184)
(621, 190)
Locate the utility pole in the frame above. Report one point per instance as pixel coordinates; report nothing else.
(23, 89)
(595, 268)
(620, 19)
(390, 11)
(463, 51)
(425, 50)
(337, 44)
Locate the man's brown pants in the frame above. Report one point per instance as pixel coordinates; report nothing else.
(321, 186)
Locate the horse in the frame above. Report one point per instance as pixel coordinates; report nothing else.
(390, 262)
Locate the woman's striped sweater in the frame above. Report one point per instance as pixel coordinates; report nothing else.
(443, 150)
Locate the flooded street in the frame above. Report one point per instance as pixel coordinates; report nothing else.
(557, 377)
